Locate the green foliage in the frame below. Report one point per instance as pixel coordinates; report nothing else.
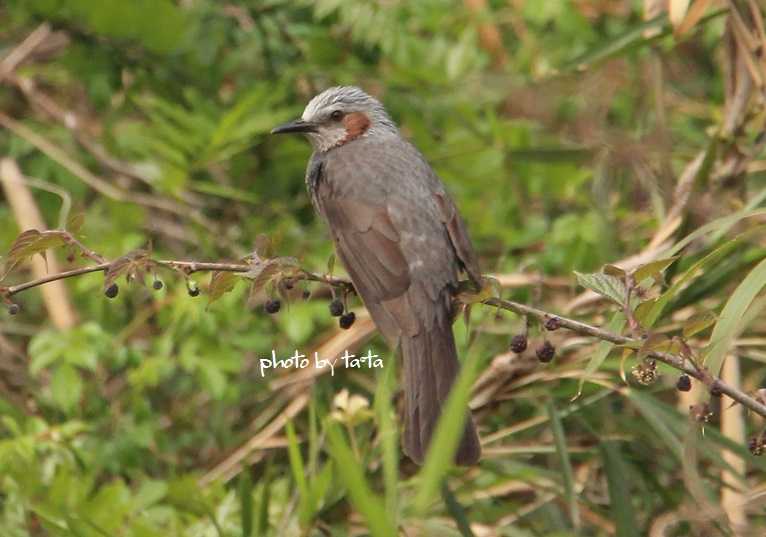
(561, 143)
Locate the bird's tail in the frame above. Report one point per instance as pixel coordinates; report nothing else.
(430, 368)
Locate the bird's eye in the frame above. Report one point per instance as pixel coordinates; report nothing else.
(336, 115)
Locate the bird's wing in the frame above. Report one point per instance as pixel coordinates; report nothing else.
(370, 248)
(458, 235)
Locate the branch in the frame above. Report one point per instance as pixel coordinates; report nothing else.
(672, 360)
(584, 329)
(187, 267)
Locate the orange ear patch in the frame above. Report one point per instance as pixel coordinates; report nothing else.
(356, 124)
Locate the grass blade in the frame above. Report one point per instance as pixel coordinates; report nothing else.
(299, 473)
(456, 511)
(387, 432)
(620, 499)
(566, 464)
(730, 321)
(245, 492)
(658, 307)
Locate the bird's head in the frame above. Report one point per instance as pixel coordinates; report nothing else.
(340, 115)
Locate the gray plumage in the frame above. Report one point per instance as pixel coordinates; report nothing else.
(398, 233)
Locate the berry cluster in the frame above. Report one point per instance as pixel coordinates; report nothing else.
(546, 352)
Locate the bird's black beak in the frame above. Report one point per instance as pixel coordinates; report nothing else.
(294, 126)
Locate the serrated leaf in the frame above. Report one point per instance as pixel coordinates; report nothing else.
(697, 323)
(220, 283)
(260, 273)
(603, 284)
(654, 269)
(32, 242)
(132, 265)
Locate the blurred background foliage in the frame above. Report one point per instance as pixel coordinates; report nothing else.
(567, 131)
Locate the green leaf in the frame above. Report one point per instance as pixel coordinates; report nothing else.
(351, 473)
(699, 322)
(603, 284)
(653, 270)
(66, 387)
(566, 465)
(729, 323)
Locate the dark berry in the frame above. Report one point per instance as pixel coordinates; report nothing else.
(70, 258)
(289, 284)
(306, 294)
(347, 320)
(684, 383)
(715, 390)
(272, 305)
(193, 290)
(545, 352)
(336, 308)
(112, 291)
(157, 284)
(519, 343)
(552, 323)
(14, 309)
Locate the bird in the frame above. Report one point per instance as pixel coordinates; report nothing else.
(403, 243)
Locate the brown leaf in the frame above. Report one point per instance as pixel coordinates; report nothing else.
(220, 283)
(132, 265)
(32, 242)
